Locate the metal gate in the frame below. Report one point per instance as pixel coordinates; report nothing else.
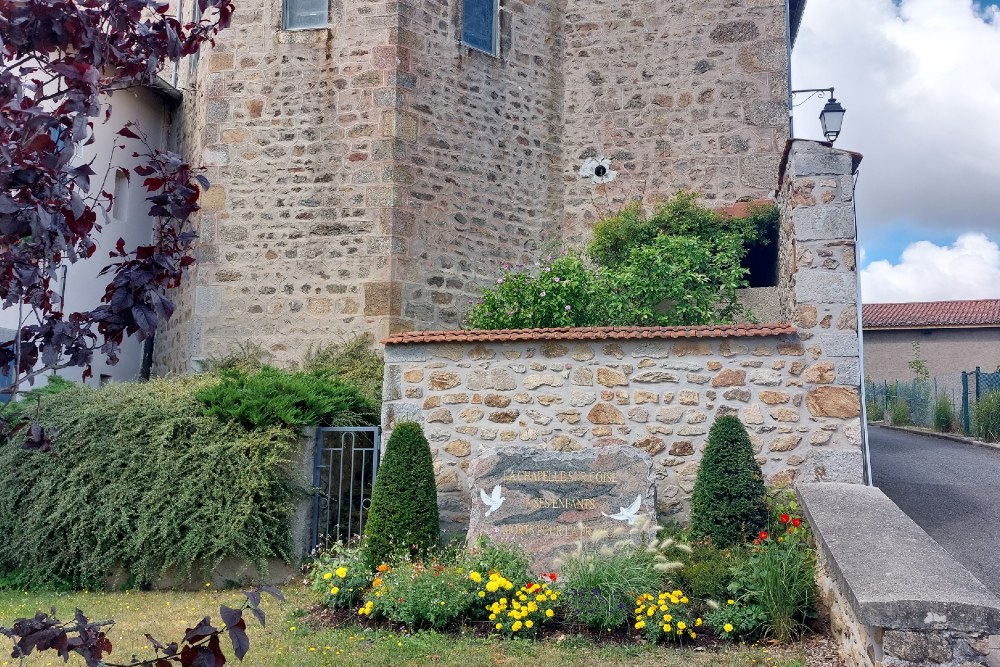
(344, 468)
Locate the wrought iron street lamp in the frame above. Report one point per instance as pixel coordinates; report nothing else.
(832, 115)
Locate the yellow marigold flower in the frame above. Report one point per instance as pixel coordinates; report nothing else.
(694, 635)
(666, 627)
(476, 577)
(697, 622)
(499, 626)
(639, 625)
(482, 594)
(728, 627)
(341, 572)
(328, 575)
(529, 624)
(492, 586)
(549, 613)
(507, 585)
(675, 600)
(730, 602)
(681, 625)
(677, 593)
(376, 582)
(493, 617)
(684, 600)
(334, 590)
(516, 626)
(664, 607)
(650, 611)
(667, 618)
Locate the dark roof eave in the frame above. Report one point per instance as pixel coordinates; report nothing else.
(796, 9)
(166, 90)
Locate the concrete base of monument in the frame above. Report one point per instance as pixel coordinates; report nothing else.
(553, 503)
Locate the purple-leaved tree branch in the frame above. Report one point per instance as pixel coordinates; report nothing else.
(59, 59)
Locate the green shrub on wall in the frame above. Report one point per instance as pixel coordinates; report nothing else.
(403, 518)
(270, 396)
(680, 265)
(142, 480)
(729, 501)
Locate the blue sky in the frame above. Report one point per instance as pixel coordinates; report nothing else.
(921, 87)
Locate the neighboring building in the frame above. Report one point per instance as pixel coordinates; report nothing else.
(80, 285)
(953, 336)
(374, 163)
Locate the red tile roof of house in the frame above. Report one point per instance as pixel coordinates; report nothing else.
(924, 314)
(590, 333)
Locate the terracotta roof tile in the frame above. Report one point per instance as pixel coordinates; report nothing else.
(590, 333)
(973, 313)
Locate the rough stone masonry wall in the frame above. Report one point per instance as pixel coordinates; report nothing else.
(681, 94)
(298, 135)
(478, 176)
(659, 396)
(817, 261)
(798, 394)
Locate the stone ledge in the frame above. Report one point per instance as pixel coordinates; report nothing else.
(892, 573)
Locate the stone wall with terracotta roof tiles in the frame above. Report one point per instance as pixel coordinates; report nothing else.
(658, 395)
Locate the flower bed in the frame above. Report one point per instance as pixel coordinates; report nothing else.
(657, 592)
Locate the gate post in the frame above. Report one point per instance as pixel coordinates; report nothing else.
(965, 404)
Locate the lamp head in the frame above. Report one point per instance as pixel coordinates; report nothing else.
(832, 118)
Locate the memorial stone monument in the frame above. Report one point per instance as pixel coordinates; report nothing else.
(549, 502)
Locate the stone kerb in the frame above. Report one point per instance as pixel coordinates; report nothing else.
(656, 394)
(894, 595)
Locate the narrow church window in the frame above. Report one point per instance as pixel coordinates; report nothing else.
(304, 14)
(479, 24)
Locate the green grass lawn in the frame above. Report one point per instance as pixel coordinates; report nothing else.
(287, 640)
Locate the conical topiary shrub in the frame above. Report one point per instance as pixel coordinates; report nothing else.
(403, 518)
(729, 504)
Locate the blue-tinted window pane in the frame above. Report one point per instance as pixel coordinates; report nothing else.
(301, 14)
(478, 21)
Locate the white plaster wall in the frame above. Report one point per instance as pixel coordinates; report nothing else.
(83, 287)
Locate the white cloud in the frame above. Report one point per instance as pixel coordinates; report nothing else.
(921, 85)
(967, 269)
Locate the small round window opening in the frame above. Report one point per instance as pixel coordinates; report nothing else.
(598, 170)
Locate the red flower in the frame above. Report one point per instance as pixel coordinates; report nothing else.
(796, 522)
(552, 576)
(763, 535)
(784, 518)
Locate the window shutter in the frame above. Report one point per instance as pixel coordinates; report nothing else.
(300, 14)
(479, 24)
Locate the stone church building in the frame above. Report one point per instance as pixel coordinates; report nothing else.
(375, 162)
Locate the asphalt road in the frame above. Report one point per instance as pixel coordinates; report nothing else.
(952, 491)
